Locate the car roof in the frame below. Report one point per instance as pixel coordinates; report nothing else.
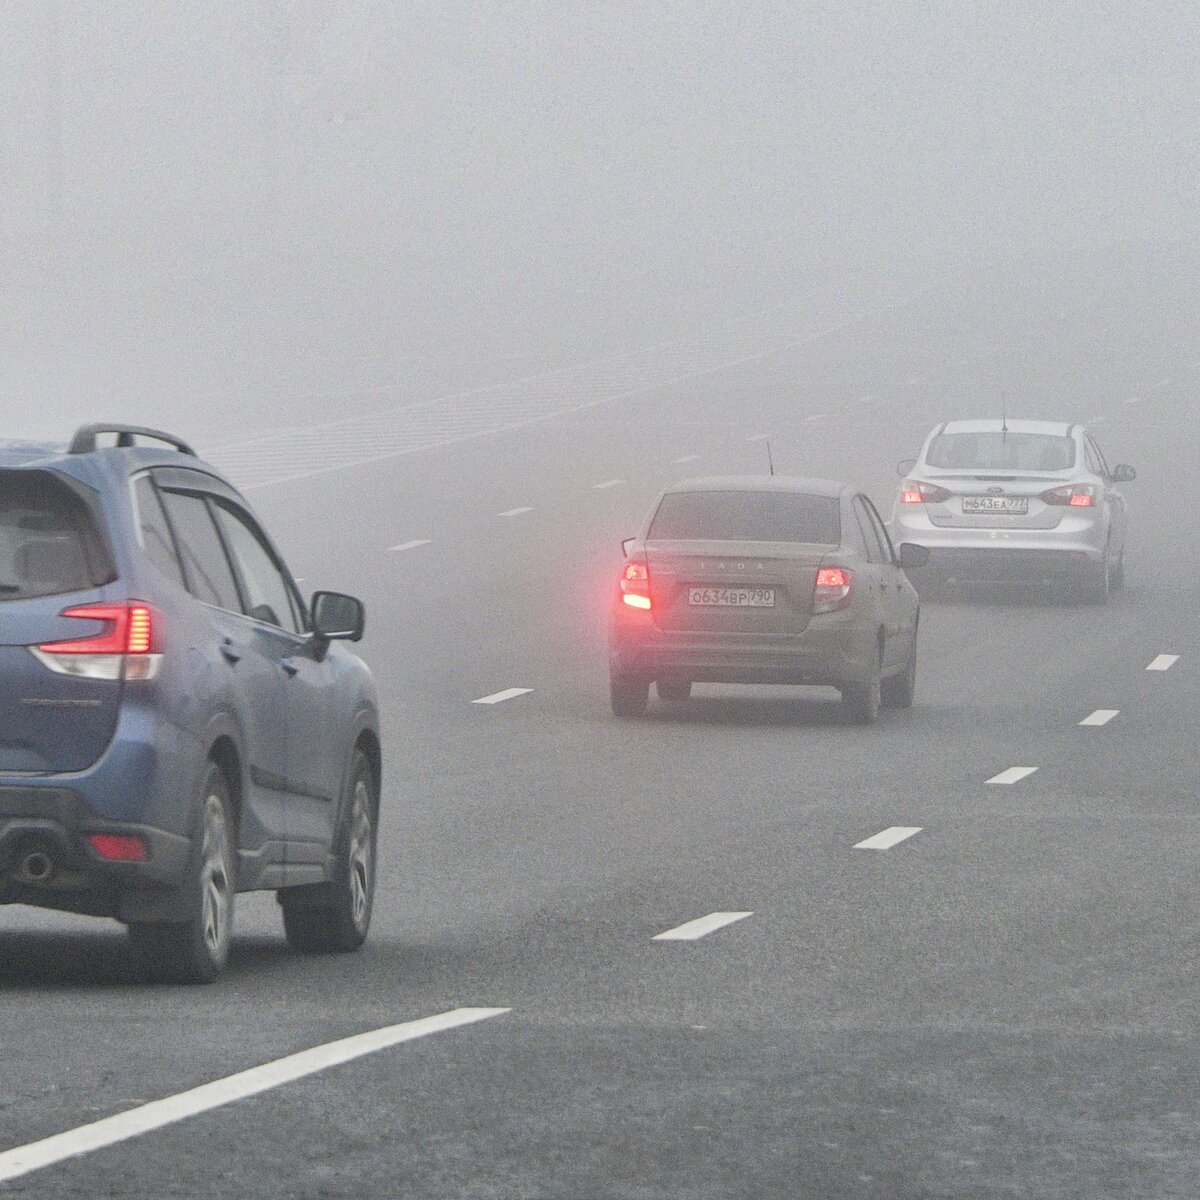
(795, 484)
(1014, 425)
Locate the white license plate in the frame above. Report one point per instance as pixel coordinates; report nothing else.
(1017, 505)
(738, 597)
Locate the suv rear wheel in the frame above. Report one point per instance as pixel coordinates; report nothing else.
(630, 694)
(333, 918)
(195, 950)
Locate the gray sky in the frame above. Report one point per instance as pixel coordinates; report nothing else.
(192, 190)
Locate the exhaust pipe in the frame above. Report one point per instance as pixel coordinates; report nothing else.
(36, 867)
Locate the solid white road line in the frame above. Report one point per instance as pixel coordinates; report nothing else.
(514, 512)
(411, 545)
(118, 1128)
(888, 838)
(1101, 716)
(700, 927)
(1012, 775)
(608, 483)
(687, 458)
(1163, 662)
(507, 694)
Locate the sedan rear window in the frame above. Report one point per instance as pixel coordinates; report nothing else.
(998, 451)
(747, 517)
(49, 542)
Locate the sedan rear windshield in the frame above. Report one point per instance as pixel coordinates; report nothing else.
(747, 517)
(998, 451)
(49, 544)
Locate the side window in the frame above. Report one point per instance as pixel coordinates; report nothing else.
(874, 549)
(209, 575)
(154, 531)
(1093, 452)
(881, 534)
(268, 595)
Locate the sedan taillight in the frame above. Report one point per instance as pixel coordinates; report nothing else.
(832, 589)
(1077, 495)
(128, 646)
(635, 583)
(914, 491)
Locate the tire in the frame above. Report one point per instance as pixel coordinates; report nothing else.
(898, 690)
(630, 694)
(333, 918)
(673, 691)
(196, 950)
(1097, 583)
(860, 701)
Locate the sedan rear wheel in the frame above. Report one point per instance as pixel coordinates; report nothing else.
(898, 691)
(630, 694)
(861, 701)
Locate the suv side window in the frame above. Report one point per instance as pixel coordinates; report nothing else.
(269, 597)
(155, 533)
(209, 575)
(881, 532)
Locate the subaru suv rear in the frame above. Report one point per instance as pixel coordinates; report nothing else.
(1021, 501)
(176, 725)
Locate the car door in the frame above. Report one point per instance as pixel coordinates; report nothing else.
(893, 586)
(1113, 500)
(243, 666)
(907, 603)
(876, 580)
(311, 779)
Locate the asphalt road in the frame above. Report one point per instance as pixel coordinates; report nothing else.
(1001, 1005)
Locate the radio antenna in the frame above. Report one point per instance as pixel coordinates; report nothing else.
(770, 460)
(1004, 413)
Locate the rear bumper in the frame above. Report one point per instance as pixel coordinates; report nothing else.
(825, 654)
(55, 822)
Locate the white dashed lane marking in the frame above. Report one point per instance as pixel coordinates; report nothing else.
(1012, 775)
(758, 437)
(1101, 716)
(1162, 662)
(499, 697)
(608, 483)
(687, 458)
(515, 512)
(411, 545)
(888, 838)
(701, 927)
(119, 1128)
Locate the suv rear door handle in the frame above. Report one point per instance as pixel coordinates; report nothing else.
(289, 665)
(231, 652)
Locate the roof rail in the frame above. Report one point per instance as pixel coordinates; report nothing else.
(84, 441)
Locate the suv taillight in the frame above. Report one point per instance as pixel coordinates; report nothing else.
(635, 583)
(129, 646)
(1078, 495)
(913, 491)
(832, 589)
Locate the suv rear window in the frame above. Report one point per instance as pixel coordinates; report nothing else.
(49, 542)
(747, 517)
(998, 451)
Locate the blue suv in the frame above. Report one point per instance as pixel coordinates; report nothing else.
(176, 725)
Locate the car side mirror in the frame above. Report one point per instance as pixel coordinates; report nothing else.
(625, 544)
(905, 465)
(338, 617)
(913, 556)
(1123, 473)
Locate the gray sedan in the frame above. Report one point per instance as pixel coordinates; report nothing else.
(764, 579)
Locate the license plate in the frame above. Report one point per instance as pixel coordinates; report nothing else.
(737, 597)
(1017, 505)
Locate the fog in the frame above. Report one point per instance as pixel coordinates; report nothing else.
(231, 212)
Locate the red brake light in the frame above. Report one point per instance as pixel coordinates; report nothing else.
(129, 646)
(832, 589)
(116, 848)
(131, 629)
(635, 583)
(913, 491)
(1079, 495)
